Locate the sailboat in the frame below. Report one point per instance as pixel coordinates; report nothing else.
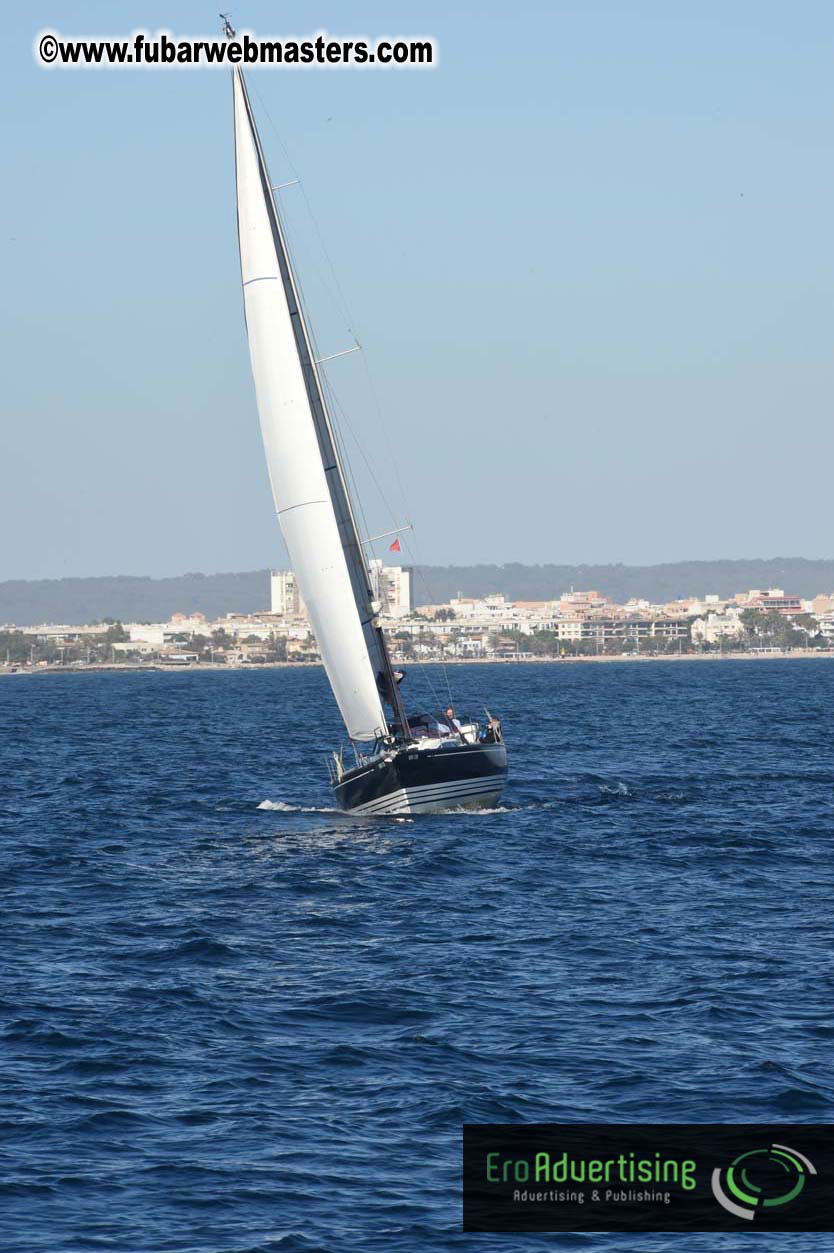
(403, 763)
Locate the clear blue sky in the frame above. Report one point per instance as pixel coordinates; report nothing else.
(590, 257)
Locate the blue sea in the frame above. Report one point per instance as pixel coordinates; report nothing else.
(233, 1019)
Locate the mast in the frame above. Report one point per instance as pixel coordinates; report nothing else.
(259, 225)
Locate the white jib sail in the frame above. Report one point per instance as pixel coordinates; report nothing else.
(299, 487)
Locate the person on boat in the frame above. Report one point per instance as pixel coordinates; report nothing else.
(454, 727)
(447, 724)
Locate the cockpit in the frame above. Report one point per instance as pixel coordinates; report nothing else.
(439, 730)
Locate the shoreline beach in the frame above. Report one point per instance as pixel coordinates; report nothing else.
(795, 654)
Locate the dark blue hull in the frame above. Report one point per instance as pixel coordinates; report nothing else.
(408, 781)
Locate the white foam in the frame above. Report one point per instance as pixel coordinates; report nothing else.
(462, 809)
(620, 789)
(283, 808)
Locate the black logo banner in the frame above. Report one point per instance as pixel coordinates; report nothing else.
(648, 1177)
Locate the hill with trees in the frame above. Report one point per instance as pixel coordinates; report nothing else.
(137, 599)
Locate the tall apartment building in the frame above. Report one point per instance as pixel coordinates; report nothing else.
(391, 586)
(285, 598)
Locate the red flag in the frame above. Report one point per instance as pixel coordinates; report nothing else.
(395, 547)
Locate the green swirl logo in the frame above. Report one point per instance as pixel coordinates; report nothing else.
(759, 1181)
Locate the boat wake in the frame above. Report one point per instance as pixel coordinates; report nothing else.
(283, 807)
(476, 813)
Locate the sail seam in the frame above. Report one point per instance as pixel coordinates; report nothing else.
(264, 278)
(303, 504)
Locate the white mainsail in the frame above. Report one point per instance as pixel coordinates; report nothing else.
(296, 470)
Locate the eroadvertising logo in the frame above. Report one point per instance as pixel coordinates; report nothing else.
(648, 1177)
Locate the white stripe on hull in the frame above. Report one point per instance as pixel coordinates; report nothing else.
(435, 797)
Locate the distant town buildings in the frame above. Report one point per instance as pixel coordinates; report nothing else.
(773, 600)
(714, 627)
(390, 585)
(576, 623)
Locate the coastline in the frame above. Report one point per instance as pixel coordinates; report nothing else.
(794, 654)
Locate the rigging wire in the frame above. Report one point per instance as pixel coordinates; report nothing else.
(339, 414)
(344, 312)
(345, 421)
(411, 544)
(345, 309)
